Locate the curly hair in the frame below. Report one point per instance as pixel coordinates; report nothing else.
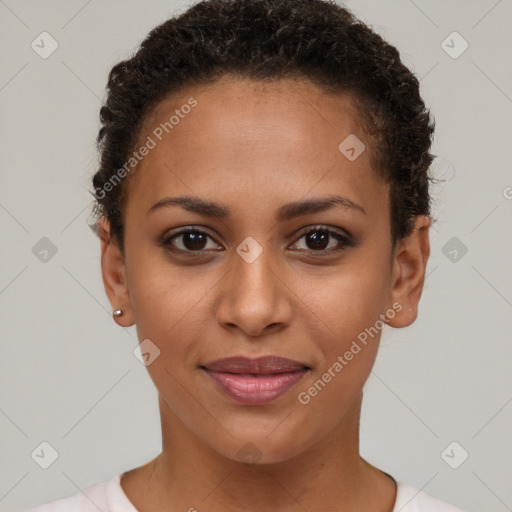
(266, 40)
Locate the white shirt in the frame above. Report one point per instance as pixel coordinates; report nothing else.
(108, 496)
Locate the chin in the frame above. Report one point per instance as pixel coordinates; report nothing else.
(259, 448)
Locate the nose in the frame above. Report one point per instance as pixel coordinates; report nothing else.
(254, 297)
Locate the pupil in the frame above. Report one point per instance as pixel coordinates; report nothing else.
(197, 241)
(321, 240)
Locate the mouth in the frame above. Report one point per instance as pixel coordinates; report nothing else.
(255, 381)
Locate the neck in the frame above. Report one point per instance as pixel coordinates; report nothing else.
(189, 475)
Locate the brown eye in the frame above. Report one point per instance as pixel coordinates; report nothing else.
(188, 240)
(317, 240)
(320, 239)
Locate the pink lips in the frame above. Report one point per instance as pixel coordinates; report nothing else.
(255, 381)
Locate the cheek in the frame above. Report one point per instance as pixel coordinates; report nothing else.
(347, 300)
(346, 328)
(164, 296)
(348, 339)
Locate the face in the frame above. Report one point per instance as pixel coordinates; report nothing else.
(263, 266)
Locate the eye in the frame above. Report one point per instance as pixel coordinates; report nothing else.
(320, 238)
(188, 240)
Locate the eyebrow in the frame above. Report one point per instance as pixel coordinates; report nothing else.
(285, 212)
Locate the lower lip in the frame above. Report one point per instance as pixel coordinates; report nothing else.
(250, 389)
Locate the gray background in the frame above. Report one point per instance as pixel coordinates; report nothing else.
(67, 372)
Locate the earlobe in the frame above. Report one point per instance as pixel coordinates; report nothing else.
(409, 266)
(114, 274)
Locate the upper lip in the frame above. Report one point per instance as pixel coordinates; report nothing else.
(260, 365)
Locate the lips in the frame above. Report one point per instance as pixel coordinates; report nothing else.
(255, 381)
(262, 365)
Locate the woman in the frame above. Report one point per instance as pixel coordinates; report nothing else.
(263, 209)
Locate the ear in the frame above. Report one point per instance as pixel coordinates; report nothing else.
(114, 274)
(409, 265)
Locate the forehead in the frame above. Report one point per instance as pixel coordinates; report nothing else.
(285, 133)
(245, 108)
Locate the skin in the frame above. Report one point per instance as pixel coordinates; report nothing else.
(253, 148)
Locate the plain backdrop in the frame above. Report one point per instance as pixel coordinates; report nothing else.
(437, 411)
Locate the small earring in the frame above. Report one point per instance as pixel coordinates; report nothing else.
(117, 312)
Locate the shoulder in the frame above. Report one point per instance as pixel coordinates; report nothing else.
(411, 499)
(90, 499)
(108, 497)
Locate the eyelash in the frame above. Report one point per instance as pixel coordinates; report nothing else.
(345, 241)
